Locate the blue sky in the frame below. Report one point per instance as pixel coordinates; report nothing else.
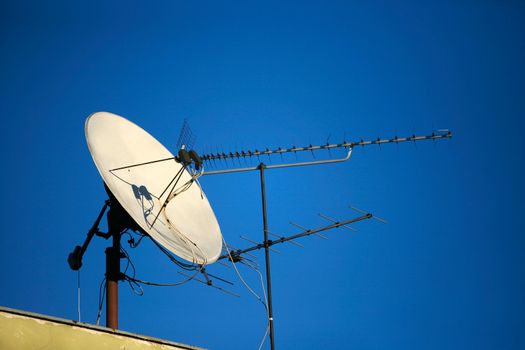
(446, 271)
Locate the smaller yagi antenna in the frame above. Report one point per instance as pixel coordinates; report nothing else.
(235, 255)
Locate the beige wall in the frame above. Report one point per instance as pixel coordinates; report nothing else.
(20, 331)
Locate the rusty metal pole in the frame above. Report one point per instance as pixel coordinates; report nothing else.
(112, 278)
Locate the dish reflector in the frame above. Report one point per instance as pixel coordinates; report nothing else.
(187, 225)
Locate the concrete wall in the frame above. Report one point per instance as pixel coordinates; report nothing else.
(21, 330)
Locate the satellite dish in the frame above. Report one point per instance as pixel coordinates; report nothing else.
(186, 225)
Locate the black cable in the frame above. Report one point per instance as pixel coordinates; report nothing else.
(134, 282)
(135, 286)
(129, 262)
(131, 240)
(155, 284)
(173, 259)
(135, 245)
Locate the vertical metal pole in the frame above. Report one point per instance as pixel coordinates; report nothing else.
(112, 277)
(262, 166)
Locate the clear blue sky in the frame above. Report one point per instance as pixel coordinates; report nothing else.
(448, 270)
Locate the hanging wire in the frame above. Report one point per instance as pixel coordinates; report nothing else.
(129, 262)
(136, 280)
(101, 295)
(78, 295)
(242, 279)
(135, 286)
(265, 336)
(256, 269)
(135, 283)
(265, 301)
(131, 241)
(173, 259)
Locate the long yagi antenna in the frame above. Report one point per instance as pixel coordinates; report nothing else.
(348, 146)
(441, 134)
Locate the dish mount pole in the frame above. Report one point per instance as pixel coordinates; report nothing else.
(112, 277)
(112, 260)
(261, 167)
(118, 221)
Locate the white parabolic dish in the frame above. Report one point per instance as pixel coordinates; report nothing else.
(187, 227)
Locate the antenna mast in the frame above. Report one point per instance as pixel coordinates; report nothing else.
(442, 134)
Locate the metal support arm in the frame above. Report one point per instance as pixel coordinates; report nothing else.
(75, 257)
